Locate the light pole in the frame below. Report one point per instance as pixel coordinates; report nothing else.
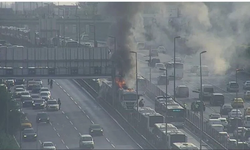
(95, 43)
(136, 79)
(63, 25)
(166, 114)
(177, 37)
(236, 97)
(201, 108)
(150, 59)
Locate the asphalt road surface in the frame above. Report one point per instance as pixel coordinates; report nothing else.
(78, 112)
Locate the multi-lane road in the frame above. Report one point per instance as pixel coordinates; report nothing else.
(78, 112)
(219, 82)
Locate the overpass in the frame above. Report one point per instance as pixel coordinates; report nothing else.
(35, 21)
(44, 63)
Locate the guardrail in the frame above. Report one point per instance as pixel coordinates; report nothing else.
(211, 136)
(92, 89)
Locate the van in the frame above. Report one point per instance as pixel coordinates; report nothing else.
(153, 62)
(204, 69)
(218, 127)
(207, 91)
(232, 86)
(217, 99)
(214, 121)
(182, 91)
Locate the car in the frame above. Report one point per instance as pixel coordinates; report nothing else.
(35, 96)
(20, 86)
(207, 91)
(213, 121)
(44, 89)
(52, 105)
(162, 49)
(48, 146)
(10, 82)
(247, 111)
(217, 99)
(238, 134)
(218, 127)
(232, 86)
(39, 81)
(246, 121)
(235, 113)
(29, 134)
(232, 144)
(25, 93)
(153, 62)
(205, 71)
(42, 117)
(194, 69)
(161, 80)
(246, 85)
(214, 116)
(95, 129)
(237, 103)
(225, 109)
(247, 95)
(223, 121)
(38, 104)
(86, 142)
(18, 91)
(45, 95)
(182, 91)
(153, 53)
(196, 106)
(19, 81)
(159, 66)
(36, 88)
(223, 137)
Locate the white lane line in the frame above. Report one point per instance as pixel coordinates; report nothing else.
(63, 112)
(40, 141)
(80, 134)
(71, 122)
(68, 94)
(50, 123)
(64, 91)
(62, 141)
(79, 107)
(67, 147)
(16, 141)
(54, 128)
(67, 117)
(75, 128)
(58, 134)
(87, 116)
(71, 98)
(92, 122)
(107, 139)
(83, 111)
(113, 145)
(75, 102)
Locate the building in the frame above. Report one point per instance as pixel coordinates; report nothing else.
(65, 10)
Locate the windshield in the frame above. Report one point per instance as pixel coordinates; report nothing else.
(48, 144)
(25, 93)
(210, 90)
(44, 89)
(131, 97)
(183, 89)
(29, 131)
(35, 96)
(39, 101)
(95, 126)
(18, 90)
(52, 102)
(160, 65)
(86, 138)
(44, 94)
(234, 85)
(219, 97)
(42, 115)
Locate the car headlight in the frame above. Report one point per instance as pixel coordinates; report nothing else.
(35, 135)
(101, 130)
(34, 104)
(25, 136)
(48, 118)
(39, 119)
(23, 102)
(92, 130)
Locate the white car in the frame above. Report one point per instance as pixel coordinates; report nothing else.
(44, 89)
(214, 121)
(160, 66)
(247, 95)
(223, 121)
(161, 49)
(240, 132)
(48, 146)
(247, 121)
(218, 127)
(52, 105)
(246, 85)
(235, 113)
(45, 95)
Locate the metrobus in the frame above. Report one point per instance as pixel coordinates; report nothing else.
(179, 70)
(184, 146)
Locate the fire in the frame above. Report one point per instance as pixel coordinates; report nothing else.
(120, 82)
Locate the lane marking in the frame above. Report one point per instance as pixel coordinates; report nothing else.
(67, 147)
(83, 111)
(107, 139)
(71, 122)
(80, 134)
(62, 141)
(75, 102)
(40, 141)
(67, 117)
(68, 94)
(92, 122)
(64, 91)
(50, 123)
(63, 112)
(71, 98)
(16, 141)
(79, 107)
(58, 134)
(113, 145)
(87, 116)
(54, 128)
(75, 128)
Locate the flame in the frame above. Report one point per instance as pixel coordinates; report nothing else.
(120, 82)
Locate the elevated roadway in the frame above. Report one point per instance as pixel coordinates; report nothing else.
(193, 82)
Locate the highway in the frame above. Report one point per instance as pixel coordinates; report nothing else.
(78, 112)
(219, 82)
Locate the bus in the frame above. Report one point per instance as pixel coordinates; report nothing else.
(184, 146)
(179, 70)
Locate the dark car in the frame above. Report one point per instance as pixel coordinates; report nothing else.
(42, 117)
(196, 106)
(225, 109)
(38, 104)
(20, 81)
(95, 129)
(27, 101)
(29, 134)
(36, 88)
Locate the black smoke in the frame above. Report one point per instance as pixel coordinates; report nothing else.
(125, 19)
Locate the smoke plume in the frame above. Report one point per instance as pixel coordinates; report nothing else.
(126, 15)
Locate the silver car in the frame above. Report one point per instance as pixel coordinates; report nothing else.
(52, 105)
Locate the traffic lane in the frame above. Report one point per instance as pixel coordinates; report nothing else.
(112, 130)
(78, 119)
(23, 144)
(45, 132)
(190, 137)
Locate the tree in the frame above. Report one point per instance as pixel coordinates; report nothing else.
(9, 112)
